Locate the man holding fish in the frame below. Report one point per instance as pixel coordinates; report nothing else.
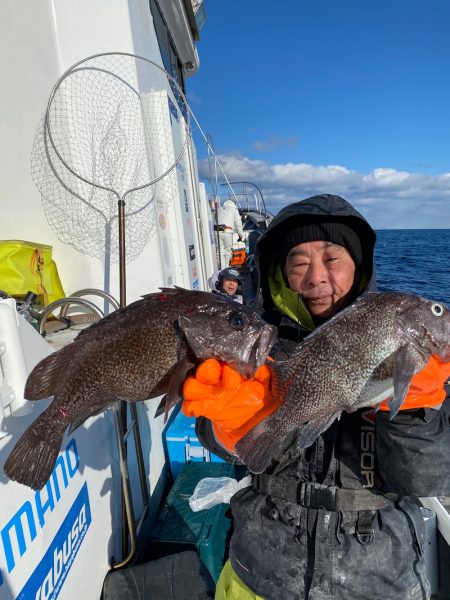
(332, 511)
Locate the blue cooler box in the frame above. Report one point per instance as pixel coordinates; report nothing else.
(182, 444)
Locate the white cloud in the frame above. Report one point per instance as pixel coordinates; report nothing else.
(386, 177)
(387, 197)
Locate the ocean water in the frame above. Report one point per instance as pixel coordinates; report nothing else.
(414, 260)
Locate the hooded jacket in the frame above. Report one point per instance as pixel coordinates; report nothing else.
(332, 208)
(280, 305)
(292, 539)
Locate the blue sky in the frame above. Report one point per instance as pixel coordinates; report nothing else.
(348, 97)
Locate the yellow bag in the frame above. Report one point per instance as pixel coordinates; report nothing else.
(27, 266)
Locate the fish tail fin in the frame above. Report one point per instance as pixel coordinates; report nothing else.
(44, 378)
(33, 457)
(257, 447)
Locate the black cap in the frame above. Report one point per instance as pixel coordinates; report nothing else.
(333, 231)
(229, 275)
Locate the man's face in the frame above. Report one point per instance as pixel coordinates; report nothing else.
(230, 286)
(323, 273)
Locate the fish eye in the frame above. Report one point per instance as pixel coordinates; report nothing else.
(437, 309)
(236, 321)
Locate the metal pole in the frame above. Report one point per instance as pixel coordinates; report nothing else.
(127, 509)
(216, 208)
(123, 282)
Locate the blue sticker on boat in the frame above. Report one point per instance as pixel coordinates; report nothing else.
(47, 579)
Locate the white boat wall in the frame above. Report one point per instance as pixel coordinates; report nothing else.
(57, 540)
(60, 541)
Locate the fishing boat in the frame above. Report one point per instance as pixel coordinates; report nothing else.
(92, 518)
(112, 472)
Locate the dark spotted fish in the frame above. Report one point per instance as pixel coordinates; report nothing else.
(136, 353)
(365, 354)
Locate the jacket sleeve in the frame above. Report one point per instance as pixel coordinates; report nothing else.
(413, 450)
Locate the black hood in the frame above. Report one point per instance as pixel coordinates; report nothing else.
(334, 208)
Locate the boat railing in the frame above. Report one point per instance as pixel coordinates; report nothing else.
(250, 197)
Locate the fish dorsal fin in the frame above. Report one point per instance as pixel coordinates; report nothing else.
(44, 379)
(407, 362)
(173, 291)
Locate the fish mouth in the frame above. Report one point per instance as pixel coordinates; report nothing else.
(258, 352)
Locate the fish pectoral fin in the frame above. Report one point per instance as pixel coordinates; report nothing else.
(173, 395)
(311, 430)
(161, 407)
(408, 361)
(260, 445)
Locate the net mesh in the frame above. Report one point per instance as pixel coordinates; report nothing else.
(115, 128)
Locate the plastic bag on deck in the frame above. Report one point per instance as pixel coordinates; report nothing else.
(214, 490)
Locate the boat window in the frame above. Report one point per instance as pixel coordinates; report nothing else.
(169, 56)
(199, 13)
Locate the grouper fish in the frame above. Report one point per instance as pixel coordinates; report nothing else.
(136, 353)
(365, 354)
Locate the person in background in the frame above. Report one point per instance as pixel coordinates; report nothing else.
(227, 281)
(230, 230)
(339, 520)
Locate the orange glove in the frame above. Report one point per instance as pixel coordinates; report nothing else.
(427, 386)
(232, 403)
